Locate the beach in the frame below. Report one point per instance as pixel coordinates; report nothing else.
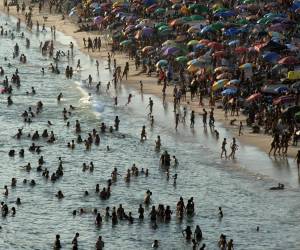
(68, 26)
(253, 215)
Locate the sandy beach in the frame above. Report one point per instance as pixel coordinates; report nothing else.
(69, 27)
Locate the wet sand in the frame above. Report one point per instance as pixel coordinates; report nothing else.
(69, 27)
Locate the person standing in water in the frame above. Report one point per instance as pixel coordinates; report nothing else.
(234, 148)
(223, 148)
(192, 119)
(298, 161)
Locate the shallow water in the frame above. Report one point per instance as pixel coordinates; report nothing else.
(240, 187)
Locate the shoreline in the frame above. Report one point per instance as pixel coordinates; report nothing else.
(150, 86)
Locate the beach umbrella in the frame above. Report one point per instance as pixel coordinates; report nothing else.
(157, 25)
(159, 11)
(196, 17)
(281, 89)
(232, 82)
(149, 2)
(221, 69)
(199, 46)
(215, 45)
(147, 49)
(225, 14)
(271, 57)
(246, 66)
(284, 100)
(206, 29)
(126, 42)
(204, 41)
(98, 19)
(193, 42)
(223, 76)
(297, 116)
(171, 51)
(289, 60)
(228, 92)
(234, 42)
(162, 63)
(169, 43)
(193, 30)
(147, 31)
(217, 26)
(254, 97)
(200, 8)
(194, 68)
(241, 50)
(181, 59)
(219, 54)
(163, 27)
(231, 32)
(219, 84)
(152, 8)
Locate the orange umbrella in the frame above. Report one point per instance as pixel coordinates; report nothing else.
(204, 41)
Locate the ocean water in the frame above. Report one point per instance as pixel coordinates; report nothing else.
(241, 187)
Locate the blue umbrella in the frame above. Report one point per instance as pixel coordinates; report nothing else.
(271, 57)
(231, 32)
(225, 14)
(281, 89)
(231, 91)
(206, 29)
(234, 42)
(199, 46)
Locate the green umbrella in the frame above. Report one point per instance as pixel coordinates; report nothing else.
(186, 19)
(248, 1)
(163, 27)
(157, 25)
(196, 18)
(159, 11)
(181, 59)
(162, 63)
(220, 9)
(217, 26)
(193, 42)
(164, 32)
(126, 42)
(200, 8)
(242, 21)
(297, 115)
(264, 20)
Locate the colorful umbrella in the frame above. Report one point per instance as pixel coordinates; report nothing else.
(289, 60)
(246, 66)
(227, 92)
(254, 97)
(219, 84)
(162, 63)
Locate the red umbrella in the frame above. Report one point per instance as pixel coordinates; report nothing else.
(289, 60)
(254, 97)
(215, 45)
(241, 50)
(284, 99)
(219, 54)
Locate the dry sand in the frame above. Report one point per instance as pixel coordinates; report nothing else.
(150, 86)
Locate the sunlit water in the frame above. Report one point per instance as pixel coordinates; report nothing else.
(241, 188)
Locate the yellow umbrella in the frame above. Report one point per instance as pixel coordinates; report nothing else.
(193, 68)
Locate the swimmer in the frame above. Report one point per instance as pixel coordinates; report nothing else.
(129, 99)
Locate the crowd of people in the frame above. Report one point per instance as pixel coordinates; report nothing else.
(241, 57)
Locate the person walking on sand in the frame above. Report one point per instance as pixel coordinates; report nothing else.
(223, 148)
(204, 118)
